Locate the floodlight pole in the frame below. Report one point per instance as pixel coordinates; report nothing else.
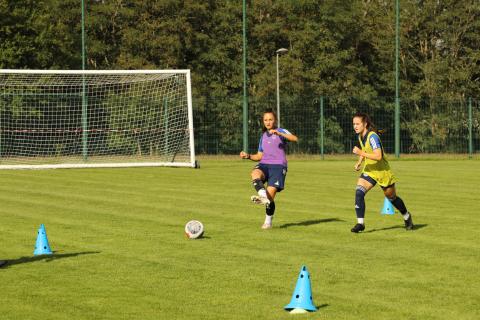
(279, 52)
(245, 79)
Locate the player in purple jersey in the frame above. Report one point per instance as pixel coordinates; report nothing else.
(272, 168)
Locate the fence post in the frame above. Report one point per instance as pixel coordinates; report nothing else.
(321, 128)
(397, 79)
(84, 121)
(165, 120)
(470, 124)
(0, 134)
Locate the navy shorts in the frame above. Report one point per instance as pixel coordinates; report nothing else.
(365, 176)
(275, 174)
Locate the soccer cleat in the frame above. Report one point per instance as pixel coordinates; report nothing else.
(255, 199)
(260, 200)
(409, 223)
(267, 226)
(358, 227)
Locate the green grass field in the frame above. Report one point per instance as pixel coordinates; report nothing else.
(120, 250)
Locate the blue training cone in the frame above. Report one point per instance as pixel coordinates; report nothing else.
(302, 296)
(387, 207)
(41, 246)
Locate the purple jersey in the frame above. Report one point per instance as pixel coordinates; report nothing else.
(273, 148)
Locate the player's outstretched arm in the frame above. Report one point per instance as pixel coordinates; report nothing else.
(254, 157)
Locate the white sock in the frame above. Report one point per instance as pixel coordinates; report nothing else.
(406, 216)
(262, 193)
(360, 220)
(268, 219)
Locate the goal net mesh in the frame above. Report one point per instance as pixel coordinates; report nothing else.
(88, 119)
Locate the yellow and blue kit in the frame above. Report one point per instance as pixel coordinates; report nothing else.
(378, 170)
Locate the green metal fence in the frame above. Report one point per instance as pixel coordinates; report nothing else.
(426, 126)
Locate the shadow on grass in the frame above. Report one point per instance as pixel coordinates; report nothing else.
(322, 306)
(417, 227)
(309, 222)
(46, 258)
(202, 238)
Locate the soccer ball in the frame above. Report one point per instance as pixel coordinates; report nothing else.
(194, 229)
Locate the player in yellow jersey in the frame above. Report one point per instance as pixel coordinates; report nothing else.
(375, 170)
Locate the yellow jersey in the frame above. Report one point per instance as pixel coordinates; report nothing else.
(377, 170)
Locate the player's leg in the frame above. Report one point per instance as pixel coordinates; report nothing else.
(269, 208)
(276, 183)
(258, 181)
(364, 184)
(398, 203)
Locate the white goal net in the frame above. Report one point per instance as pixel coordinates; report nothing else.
(68, 119)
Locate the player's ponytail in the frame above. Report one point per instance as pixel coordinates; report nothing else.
(369, 123)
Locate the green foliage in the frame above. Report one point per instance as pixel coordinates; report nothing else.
(339, 49)
(34, 35)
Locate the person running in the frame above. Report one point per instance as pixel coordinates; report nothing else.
(376, 169)
(272, 168)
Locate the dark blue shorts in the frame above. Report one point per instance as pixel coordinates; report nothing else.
(275, 174)
(372, 181)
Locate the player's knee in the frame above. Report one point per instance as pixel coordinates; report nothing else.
(255, 175)
(360, 193)
(271, 193)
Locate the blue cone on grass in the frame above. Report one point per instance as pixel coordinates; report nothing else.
(387, 207)
(41, 246)
(302, 296)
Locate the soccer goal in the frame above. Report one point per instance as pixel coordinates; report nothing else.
(78, 119)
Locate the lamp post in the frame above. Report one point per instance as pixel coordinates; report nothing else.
(245, 78)
(279, 52)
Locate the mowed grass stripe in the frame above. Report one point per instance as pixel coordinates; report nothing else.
(126, 227)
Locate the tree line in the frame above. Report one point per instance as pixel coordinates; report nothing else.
(339, 49)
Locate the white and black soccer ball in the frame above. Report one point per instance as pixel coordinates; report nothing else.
(194, 229)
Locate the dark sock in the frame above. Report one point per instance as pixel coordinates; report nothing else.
(398, 203)
(270, 209)
(258, 184)
(360, 202)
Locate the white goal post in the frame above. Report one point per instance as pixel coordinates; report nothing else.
(95, 118)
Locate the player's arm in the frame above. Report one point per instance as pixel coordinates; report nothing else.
(359, 163)
(254, 157)
(286, 134)
(376, 145)
(376, 155)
